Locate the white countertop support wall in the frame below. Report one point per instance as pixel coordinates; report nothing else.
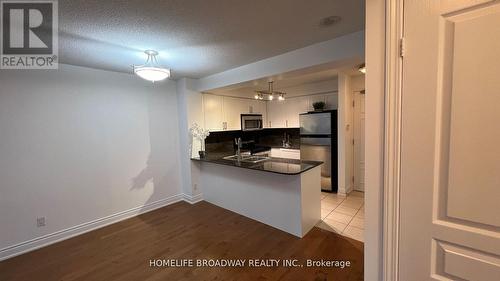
(288, 202)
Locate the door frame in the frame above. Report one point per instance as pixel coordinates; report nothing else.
(394, 34)
(355, 166)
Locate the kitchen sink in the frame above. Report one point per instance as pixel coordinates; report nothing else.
(247, 158)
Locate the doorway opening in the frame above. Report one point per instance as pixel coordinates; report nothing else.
(344, 212)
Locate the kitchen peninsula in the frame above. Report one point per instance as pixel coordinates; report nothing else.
(283, 193)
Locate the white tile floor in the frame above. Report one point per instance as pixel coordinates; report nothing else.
(344, 215)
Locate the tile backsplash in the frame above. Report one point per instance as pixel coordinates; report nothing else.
(224, 140)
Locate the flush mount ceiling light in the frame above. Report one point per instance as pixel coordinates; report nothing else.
(269, 94)
(151, 71)
(362, 68)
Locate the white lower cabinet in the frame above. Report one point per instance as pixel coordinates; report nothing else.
(285, 153)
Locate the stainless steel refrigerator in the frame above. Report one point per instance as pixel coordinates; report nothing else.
(318, 141)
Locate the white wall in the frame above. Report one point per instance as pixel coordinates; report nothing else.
(345, 136)
(190, 108)
(78, 145)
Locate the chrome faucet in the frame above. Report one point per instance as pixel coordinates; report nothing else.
(238, 144)
(286, 141)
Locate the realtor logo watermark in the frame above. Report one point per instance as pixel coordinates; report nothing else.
(29, 34)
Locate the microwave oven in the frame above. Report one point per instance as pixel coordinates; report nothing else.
(251, 122)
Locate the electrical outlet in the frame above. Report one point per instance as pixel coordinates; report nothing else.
(195, 187)
(40, 221)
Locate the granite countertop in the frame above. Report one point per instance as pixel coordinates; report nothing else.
(273, 165)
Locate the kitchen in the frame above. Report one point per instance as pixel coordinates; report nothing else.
(272, 125)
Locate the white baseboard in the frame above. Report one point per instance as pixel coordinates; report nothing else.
(64, 234)
(193, 199)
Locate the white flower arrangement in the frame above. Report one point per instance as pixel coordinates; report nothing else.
(200, 134)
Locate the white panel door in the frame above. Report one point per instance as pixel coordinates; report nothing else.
(212, 110)
(450, 153)
(359, 141)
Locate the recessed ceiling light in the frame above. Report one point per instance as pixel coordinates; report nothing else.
(329, 21)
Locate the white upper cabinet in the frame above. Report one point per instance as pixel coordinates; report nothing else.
(316, 98)
(294, 107)
(285, 114)
(232, 108)
(259, 107)
(331, 101)
(276, 114)
(212, 107)
(223, 113)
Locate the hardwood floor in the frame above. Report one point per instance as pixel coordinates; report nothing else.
(122, 251)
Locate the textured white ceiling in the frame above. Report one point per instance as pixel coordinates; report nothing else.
(196, 37)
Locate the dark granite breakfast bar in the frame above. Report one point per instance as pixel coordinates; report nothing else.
(273, 165)
(283, 193)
